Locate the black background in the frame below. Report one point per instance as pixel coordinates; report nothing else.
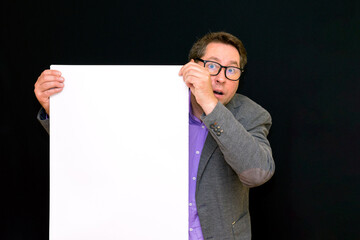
(303, 68)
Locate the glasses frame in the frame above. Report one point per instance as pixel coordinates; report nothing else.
(221, 67)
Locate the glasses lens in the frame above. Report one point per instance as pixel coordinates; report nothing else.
(212, 67)
(233, 73)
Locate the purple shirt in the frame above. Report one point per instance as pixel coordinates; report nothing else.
(197, 137)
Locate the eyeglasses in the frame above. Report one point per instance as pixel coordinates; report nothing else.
(214, 68)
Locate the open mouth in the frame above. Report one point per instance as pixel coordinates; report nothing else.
(218, 93)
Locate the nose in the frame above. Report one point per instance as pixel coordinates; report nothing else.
(221, 76)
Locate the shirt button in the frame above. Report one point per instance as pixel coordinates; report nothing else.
(190, 229)
(203, 126)
(197, 152)
(194, 178)
(190, 204)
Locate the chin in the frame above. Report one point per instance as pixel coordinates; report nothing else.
(224, 102)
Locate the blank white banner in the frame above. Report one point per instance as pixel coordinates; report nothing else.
(119, 154)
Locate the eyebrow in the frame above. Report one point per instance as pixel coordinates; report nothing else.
(231, 62)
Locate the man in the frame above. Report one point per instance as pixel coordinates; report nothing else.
(228, 152)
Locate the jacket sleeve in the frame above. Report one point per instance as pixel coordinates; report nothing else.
(242, 138)
(43, 118)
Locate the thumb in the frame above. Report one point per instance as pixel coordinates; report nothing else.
(181, 71)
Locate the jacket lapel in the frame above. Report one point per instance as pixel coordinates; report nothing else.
(209, 147)
(210, 143)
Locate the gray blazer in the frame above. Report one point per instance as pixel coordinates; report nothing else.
(235, 157)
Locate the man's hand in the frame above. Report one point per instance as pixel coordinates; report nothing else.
(48, 83)
(197, 78)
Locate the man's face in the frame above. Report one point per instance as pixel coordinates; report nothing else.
(227, 55)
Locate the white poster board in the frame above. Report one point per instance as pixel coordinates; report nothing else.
(119, 154)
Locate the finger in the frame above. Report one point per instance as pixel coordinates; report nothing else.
(194, 65)
(195, 73)
(49, 85)
(186, 66)
(48, 79)
(44, 96)
(43, 93)
(183, 69)
(190, 70)
(189, 85)
(52, 91)
(191, 77)
(51, 72)
(49, 75)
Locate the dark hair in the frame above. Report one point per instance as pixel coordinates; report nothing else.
(199, 47)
